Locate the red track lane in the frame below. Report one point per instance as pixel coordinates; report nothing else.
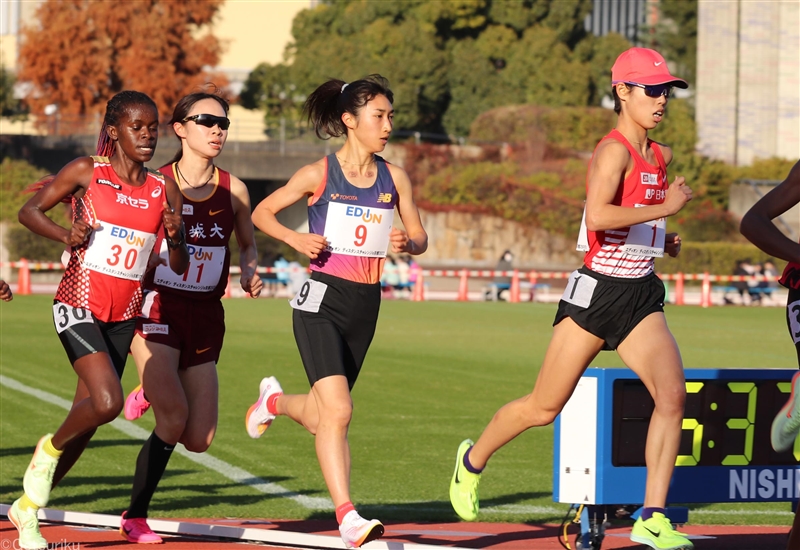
(497, 536)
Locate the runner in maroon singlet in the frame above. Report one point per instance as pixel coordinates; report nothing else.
(118, 208)
(179, 335)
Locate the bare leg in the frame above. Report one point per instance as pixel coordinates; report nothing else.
(571, 350)
(102, 405)
(158, 370)
(652, 353)
(201, 388)
(74, 449)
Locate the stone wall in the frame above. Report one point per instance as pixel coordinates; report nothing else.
(462, 239)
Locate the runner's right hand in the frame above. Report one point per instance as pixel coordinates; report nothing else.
(309, 244)
(79, 232)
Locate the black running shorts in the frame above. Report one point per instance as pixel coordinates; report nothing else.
(334, 340)
(609, 307)
(81, 334)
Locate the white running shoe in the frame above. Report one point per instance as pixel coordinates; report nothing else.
(357, 531)
(27, 523)
(38, 479)
(786, 425)
(258, 418)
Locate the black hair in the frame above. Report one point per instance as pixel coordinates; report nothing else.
(617, 102)
(326, 105)
(185, 104)
(115, 109)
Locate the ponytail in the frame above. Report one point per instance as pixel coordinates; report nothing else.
(326, 105)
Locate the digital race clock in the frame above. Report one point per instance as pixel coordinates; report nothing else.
(725, 453)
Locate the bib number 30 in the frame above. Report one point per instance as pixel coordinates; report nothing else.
(66, 316)
(310, 296)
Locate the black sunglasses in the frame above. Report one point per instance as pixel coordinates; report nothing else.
(655, 90)
(209, 121)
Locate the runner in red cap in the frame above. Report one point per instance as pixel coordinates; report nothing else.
(615, 301)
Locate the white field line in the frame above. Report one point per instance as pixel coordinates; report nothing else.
(204, 459)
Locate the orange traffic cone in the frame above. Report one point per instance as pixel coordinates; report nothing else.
(514, 298)
(419, 289)
(705, 296)
(463, 287)
(679, 289)
(24, 277)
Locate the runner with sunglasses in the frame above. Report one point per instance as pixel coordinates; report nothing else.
(352, 195)
(615, 301)
(118, 207)
(179, 336)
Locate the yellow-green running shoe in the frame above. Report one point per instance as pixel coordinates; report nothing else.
(27, 523)
(464, 486)
(38, 478)
(658, 532)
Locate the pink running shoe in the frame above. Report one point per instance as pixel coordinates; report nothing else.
(136, 405)
(258, 418)
(137, 531)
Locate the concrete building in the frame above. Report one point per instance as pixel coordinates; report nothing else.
(748, 79)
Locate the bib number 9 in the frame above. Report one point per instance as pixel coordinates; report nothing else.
(310, 296)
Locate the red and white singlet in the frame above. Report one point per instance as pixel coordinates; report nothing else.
(628, 252)
(209, 226)
(104, 273)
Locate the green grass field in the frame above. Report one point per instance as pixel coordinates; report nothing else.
(436, 373)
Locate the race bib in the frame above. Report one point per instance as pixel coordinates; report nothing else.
(646, 239)
(357, 230)
(202, 274)
(119, 251)
(580, 288)
(310, 296)
(793, 314)
(66, 316)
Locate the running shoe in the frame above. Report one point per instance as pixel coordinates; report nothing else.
(38, 478)
(258, 418)
(137, 531)
(787, 423)
(357, 531)
(464, 486)
(658, 532)
(135, 404)
(27, 523)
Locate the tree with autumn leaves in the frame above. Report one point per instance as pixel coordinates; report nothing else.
(82, 52)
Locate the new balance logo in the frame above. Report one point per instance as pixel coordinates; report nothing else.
(385, 197)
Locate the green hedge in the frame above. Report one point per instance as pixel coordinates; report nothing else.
(717, 258)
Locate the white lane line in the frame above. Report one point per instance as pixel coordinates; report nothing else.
(204, 459)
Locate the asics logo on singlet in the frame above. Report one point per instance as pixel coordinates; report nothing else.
(102, 181)
(337, 196)
(649, 179)
(385, 197)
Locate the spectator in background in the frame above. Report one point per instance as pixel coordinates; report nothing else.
(502, 283)
(282, 277)
(297, 276)
(769, 285)
(404, 274)
(390, 280)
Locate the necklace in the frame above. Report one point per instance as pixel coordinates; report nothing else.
(180, 174)
(371, 160)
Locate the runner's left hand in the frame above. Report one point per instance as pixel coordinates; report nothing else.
(672, 244)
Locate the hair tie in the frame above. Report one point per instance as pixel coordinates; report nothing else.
(343, 87)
